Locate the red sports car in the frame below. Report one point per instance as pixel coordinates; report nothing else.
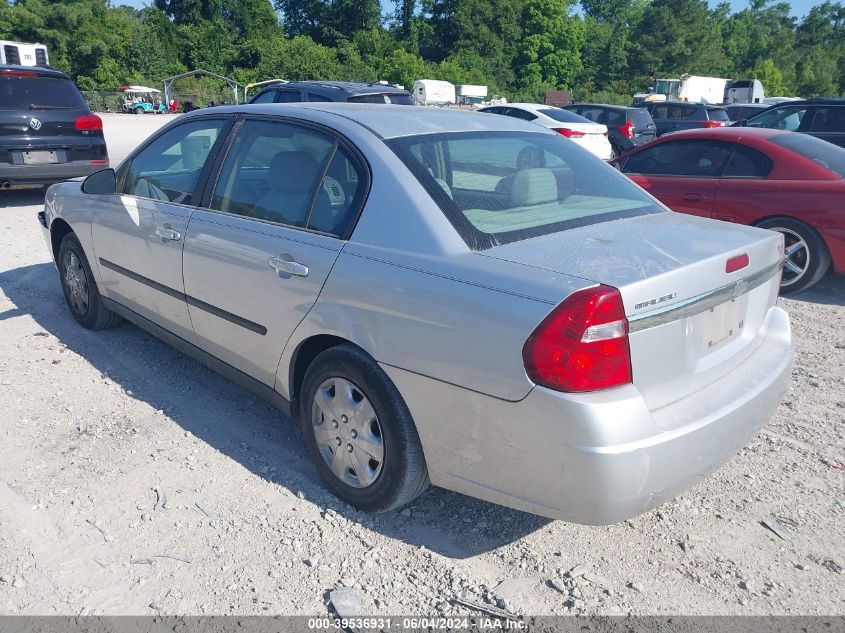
(784, 181)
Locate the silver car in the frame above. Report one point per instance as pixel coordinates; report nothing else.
(439, 297)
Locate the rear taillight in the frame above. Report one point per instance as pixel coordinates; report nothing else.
(627, 129)
(18, 73)
(712, 123)
(569, 133)
(582, 345)
(88, 123)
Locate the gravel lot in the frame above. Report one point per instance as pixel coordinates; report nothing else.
(96, 429)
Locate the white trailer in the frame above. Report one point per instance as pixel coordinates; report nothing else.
(744, 91)
(23, 54)
(702, 89)
(471, 95)
(434, 92)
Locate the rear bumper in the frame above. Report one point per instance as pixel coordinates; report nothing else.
(18, 175)
(594, 458)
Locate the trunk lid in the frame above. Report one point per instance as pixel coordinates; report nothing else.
(690, 320)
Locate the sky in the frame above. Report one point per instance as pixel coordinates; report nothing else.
(800, 8)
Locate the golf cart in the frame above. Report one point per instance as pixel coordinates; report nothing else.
(141, 100)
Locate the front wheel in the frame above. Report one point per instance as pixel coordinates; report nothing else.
(807, 257)
(139, 110)
(79, 288)
(359, 432)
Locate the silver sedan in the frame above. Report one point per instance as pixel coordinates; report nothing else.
(439, 297)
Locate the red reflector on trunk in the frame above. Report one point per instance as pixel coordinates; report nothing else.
(737, 263)
(582, 345)
(88, 123)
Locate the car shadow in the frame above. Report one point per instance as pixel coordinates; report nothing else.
(22, 197)
(829, 291)
(246, 429)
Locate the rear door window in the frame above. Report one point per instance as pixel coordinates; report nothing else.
(291, 175)
(288, 96)
(500, 187)
(313, 96)
(268, 96)
(593, 114)
(829, 119)
(525, 115)
(691, 159)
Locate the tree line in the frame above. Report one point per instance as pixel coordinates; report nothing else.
(600, 49)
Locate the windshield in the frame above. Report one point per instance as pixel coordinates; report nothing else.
(564, 116)
(396, 98)
(828, 155)
(501, 187)
(38, 93)
(668, 87)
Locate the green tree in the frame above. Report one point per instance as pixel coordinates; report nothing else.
(549, 51)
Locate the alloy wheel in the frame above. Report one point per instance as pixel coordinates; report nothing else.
(797, 256)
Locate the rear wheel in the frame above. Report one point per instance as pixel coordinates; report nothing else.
(139, 110)
(359, 432)
(80, 290)
(807, 257)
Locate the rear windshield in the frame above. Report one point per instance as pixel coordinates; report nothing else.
(828, 155)
(501, 187)
(718, 114)
(38, 93)
(640, 117)
(564, 116)
(397, 98)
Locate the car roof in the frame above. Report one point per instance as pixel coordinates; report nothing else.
(606, 106)
(41, 71)
(351, 87)
(528, 106)
(819, 101)
(391, 121)
(709, 106)
(725, 133)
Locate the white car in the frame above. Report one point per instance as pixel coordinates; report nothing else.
(591, 136)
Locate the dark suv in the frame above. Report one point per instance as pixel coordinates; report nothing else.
(671, 116)
(822, 118)
(47, 131)
(627, 127)
(349, 91)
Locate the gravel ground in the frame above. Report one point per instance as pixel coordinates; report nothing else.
(98, 429)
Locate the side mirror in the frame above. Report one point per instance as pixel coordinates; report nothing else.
(101, 183)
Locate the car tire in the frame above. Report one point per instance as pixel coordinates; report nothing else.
(79, 288)
(807, 256)
(139, 110)
(617, 151)
(363, 425)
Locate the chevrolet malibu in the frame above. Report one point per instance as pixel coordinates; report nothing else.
(435, 308)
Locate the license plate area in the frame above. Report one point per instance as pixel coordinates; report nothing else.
(40, 157)
(721, 324)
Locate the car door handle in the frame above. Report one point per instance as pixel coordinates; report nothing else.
(289, 266)
(168, 234)
(693, 196)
